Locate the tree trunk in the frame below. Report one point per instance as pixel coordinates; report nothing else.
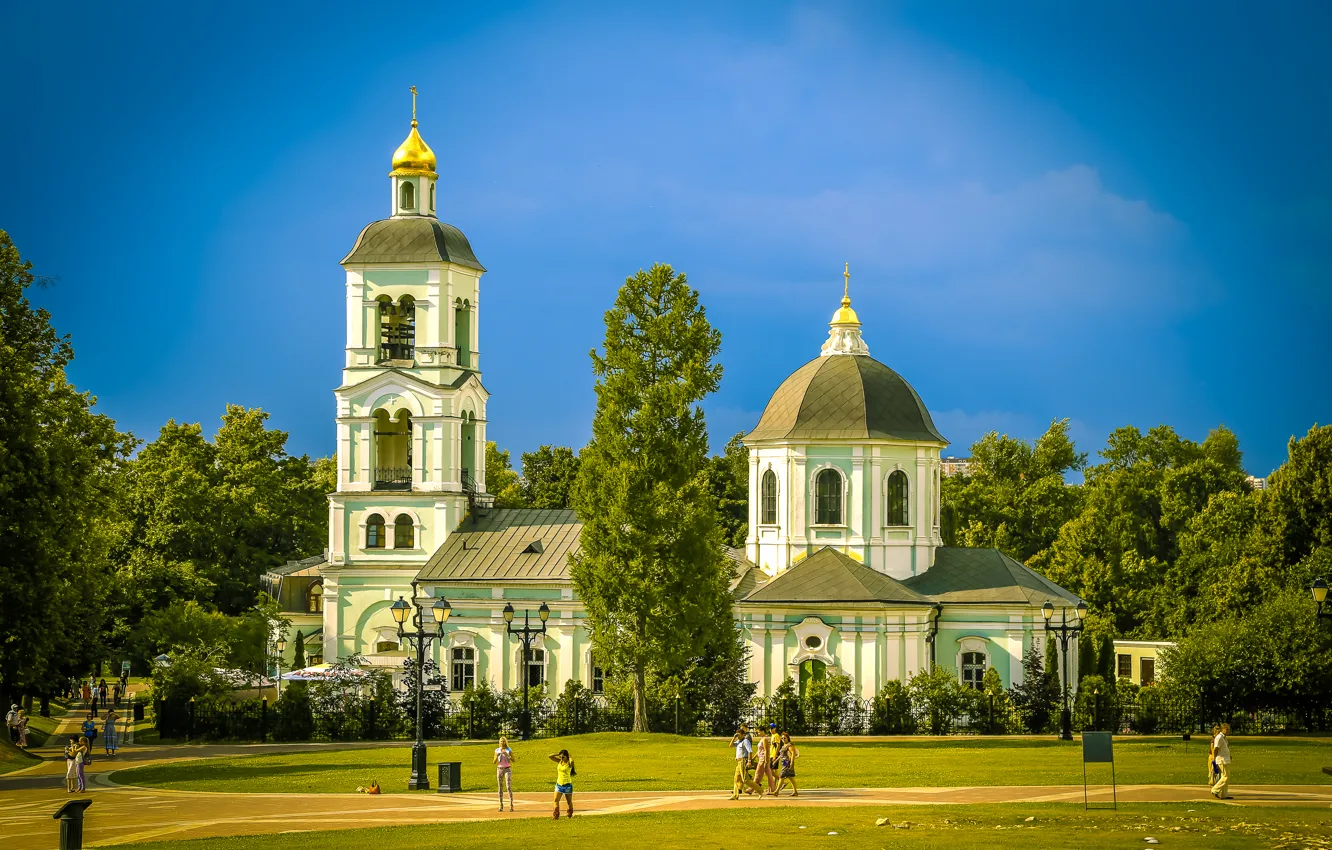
(640, 698)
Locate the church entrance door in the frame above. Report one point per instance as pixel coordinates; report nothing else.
(811, 670)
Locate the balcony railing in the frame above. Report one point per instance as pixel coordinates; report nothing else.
(396, 351)
(393, 478)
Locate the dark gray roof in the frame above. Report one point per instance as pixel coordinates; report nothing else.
(494, 547)
(962, 575)
(746, 575)
(412, 239)
(845, 397)
(306, 566)
(831, 576)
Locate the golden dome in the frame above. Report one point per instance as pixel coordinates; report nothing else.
(845, 315)
(413, 158)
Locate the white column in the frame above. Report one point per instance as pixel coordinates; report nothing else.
(566, 669)
(857, 531)
(869, 683)
(499, 644)
(892, 652)
(777, 656)
(757, 657)
(915, 650)
(1014, 648)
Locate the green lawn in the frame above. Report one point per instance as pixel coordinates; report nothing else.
(623, 761)
(994, 827)
(12, 758)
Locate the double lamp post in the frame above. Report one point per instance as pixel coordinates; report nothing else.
(526, 634)
(439, 615)
(1065, 630)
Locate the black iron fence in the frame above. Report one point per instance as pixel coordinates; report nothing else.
(370, 720)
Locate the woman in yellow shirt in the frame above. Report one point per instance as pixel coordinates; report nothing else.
(564, 774)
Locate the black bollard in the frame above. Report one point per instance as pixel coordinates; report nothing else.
(70, 816)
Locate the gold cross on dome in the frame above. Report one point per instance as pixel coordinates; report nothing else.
(846, 284)
(413, 103)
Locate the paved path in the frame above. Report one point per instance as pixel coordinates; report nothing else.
(125, 815)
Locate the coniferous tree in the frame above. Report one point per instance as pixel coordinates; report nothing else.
(298, 652)
(650, 570)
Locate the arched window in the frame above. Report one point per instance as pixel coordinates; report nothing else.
(408, 195)
(768, 509)
(404, 532)
(828, 498)
(535, 664)
(314, 598)
(397, 328)
(463, 674)
(897, 499)
(393, 450)
(374, 532)
(973, 669)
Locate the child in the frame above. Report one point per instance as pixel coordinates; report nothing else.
(504, 771)
(564, 774)
(82, 757)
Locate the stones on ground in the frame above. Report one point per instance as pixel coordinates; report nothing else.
(881, 821)
(1151, 840)
(832, 833)
(1030, 819)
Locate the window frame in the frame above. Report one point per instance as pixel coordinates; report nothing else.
(375, 523)
(1146, 671)
(898, 497)
(978, 667)
(822, 500)
(534, 658)
(314, 598)
(1123, 665)
(397, 531)
(768, 498)
(462, 660)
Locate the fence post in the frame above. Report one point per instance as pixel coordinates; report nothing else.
(371, 733)
(263, 722)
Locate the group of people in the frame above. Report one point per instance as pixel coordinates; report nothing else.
(17, 722)
(78, 755)
(564, 776)
(765, 763)
(98, 694)
(109, 733)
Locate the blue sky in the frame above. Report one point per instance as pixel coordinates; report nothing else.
(1118, 215)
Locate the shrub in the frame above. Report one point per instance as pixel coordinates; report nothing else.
(892, 711)
(941, 697)
(294, 715)
(826, 702)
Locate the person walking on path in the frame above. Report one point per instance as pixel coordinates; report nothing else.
(787, 755)
(763, 763)
(22, 730)
(564, 777)
(774, 760)
(110, 735)
(1213, 772)
(115, 693)
(504, 771)
(71, 768)
(743, 750)
(1221, 752)
(11, 721)
(104, 691)
(89, 729)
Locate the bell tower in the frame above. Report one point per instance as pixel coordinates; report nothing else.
(411, 409)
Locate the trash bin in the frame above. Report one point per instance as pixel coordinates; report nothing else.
(450, 777)
(138, 711)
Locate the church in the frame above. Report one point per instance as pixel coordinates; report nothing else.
(844, 568)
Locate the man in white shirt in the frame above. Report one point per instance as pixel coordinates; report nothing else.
(743, 748)
(1221, 751)
(12, 721)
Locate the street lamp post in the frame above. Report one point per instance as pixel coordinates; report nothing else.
(526, 635)
(281, 645)
(1065, 630)
(1319, 589)
(439, 613)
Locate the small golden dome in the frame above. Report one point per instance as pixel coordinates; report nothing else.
(845, 315)
(413, 158)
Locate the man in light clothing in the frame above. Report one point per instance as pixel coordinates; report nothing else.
(743, 748)
(12, 721)
(1221, 752)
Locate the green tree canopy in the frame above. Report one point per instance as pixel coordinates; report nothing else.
(549, 475)
(651, 571)
(59, 464)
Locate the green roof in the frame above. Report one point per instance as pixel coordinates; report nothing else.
(962, 575)
(845, 397)
(412, 239)
(830, 576)
(497, 546)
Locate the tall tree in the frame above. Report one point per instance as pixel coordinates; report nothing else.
(650, 570)
(501, 479)
(728, 479)
(549, 475)
(58, 464)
